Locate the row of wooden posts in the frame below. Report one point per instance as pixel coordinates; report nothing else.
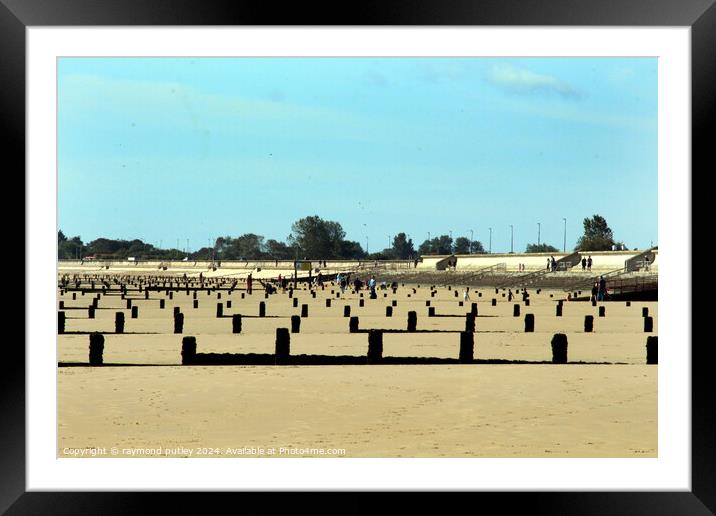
(558, 343)
(529, 320)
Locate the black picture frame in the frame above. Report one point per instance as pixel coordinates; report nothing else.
(17, 15)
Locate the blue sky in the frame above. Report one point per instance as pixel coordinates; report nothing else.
(169, 149)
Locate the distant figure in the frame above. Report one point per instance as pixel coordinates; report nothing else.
(357, 284)
(319, 279)
(595, 289)
(589, 263)
(371, 285)
(602, 291)
(549, 264)
(343, 285)
(584, 263)
(554, 264)
(646, 263)
(416, 263)
(249, 283)
(525, 295)
(509, 294)
(466, 294)
(569, 296)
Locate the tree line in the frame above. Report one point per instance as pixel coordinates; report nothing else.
(311, 238)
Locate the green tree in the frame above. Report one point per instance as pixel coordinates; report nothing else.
(278, 250)
(541, 248)
(69, 249)
(351, 250)
(462, 245)
(597, 235)
(315, 238)
(248, 247)
(476, 247)
(402, 247)
(437, 245)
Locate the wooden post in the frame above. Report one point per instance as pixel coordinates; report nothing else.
(353, 324)
(295, 324)
(96, 348)
(648, 324)
(178, 322)
(283, 345)
(588, 323)
(559, 348)
(467, 347)
(188, 350)
(375, 346)
(652, 350)
(412, 321)
(529, 323)
(119, 322)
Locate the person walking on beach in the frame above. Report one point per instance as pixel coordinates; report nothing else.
(589, 263)
(371, 285)
(549, 264)
(602, 291)
(584, 263)
(525, 295)
(595, 289)
(554, 264)
(509, 294)
(466, 294)
(249, 283)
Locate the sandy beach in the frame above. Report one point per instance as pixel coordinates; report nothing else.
(605, 406)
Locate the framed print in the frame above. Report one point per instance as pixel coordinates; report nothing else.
(251, 196)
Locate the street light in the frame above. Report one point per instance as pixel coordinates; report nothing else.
(472, 235)
(564, 249)
(490, 248)
(538, 232)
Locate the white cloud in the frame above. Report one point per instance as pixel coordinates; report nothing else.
(522, 81)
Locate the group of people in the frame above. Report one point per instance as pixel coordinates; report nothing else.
(551, 264)
(587, 263)
(344, 281)
(599, 290)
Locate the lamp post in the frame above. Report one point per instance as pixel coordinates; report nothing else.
(490, 248)
(538, 232)
(472, 237)
(564, 248)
